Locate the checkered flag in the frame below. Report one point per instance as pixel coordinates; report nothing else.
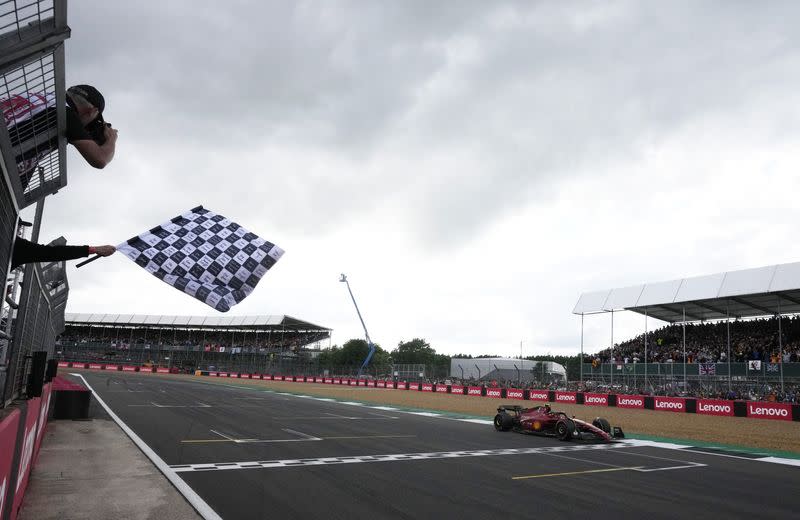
(204, 255)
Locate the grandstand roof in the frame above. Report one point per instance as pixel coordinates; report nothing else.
(194, 322)
(762, 291)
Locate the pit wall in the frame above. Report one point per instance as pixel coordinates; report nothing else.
(22, 429)
(721, 407)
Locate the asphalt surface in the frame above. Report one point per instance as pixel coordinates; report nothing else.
(252, 453)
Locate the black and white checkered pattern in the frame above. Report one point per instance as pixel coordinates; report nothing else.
(204, 255)
(396, 457)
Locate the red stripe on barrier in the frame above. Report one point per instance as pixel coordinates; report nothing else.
(441, 389)
(63, 364)
(8, 439)
(426, 387)
(28, 444)
(95, 366)
(162, 370)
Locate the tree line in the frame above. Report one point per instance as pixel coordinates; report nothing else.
(419, 352)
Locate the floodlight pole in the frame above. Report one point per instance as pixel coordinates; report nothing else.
(728, 326)
(613, 362)
(581, 351)
(683, 326)
(369, 341)
(645, 347)
(780, 342)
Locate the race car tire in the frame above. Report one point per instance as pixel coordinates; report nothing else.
(603, 424)
(564, 429)
(503, 422)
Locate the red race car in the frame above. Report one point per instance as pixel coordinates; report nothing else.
(541, 420)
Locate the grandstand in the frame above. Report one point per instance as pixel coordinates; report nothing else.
(265, 344)
(717, 333)
(511, 370)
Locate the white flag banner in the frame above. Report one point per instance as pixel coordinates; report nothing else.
(754, 365)
(204, 255)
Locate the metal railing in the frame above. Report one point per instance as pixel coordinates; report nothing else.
(33, 166)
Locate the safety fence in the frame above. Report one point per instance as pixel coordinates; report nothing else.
(32, 167)
(32, 143)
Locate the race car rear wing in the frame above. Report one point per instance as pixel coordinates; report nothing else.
(509, 408)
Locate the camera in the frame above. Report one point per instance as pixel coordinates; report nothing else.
(97, 130)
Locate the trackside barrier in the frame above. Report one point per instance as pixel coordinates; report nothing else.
(595, 399)
(9, 426)
(668, 404)
(497, 393)
(720, 407)
(515, 393)
(714, 407)
(26, 456)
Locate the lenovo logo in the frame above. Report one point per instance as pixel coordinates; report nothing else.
(714, 408)
(493, 393)
(474, 391)
(539, 395)
(514, 394)
(595, 400)
(763, 411)
(668, 405)
(630, 401)
(565, 397)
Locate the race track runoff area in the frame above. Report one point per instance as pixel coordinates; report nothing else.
(253, 453)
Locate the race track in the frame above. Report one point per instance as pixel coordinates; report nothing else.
(252, 453)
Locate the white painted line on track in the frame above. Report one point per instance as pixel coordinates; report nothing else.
(396, 457)
(183, 488)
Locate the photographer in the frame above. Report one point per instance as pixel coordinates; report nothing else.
(86, 130)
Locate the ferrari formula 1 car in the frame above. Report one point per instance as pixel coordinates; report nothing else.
(541, 420)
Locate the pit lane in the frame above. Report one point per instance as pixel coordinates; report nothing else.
(251, 453)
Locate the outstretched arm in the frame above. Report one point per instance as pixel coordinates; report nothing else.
(98, 156)
(26, 251)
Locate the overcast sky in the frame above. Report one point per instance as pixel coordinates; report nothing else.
(472, 166)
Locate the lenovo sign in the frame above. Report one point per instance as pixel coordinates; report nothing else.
(441, 389)
(515, 393)
(538, 395)
(669, 404)
(630, 401)
(714, 407)
(494, 392)
(457, 389)
(777, 411)
(595, 399)
(474, 390)
(565, 397)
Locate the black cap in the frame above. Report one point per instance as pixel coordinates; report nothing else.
(90, 94)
